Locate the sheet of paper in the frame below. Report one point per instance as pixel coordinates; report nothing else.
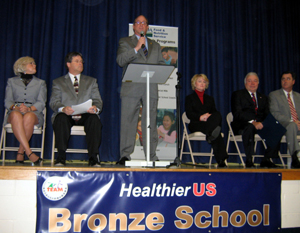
(82, 108)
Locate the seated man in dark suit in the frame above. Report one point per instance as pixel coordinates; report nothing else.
(249, 109)
(72, 89)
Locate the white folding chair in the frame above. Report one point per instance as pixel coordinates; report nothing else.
(75, 130)
(287, 155)
(196, 136)
(238, 138)
(37, 130)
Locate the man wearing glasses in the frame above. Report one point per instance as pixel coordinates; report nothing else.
(137, 49)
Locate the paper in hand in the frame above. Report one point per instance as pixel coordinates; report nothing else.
(82, 108)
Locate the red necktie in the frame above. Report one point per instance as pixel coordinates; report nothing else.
(292, 108)
(76, 85)
(254, 101)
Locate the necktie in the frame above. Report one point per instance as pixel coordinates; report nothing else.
(76, 117)
(145, 51)
(254, 101)
(76, 84)
(292, 108)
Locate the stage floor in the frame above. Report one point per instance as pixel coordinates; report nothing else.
(12, 171)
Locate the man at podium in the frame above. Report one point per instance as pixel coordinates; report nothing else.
(137, 49)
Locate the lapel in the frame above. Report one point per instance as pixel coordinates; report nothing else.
(284, 100)
(258, 99)
(196, 99)
(150, 46)
(70, 86)
(19, 82)
(248, 97)
(33, 82)
(82, 88)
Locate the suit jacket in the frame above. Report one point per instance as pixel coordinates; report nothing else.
(35, 93)
(63, 93)
(243, 109)
(126, 55)
(194, 107)
(279, 106)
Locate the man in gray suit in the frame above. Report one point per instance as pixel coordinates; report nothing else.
(137, 49)
(72, 89)
(285, 107)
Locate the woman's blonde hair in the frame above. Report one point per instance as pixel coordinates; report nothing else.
(195, 78)
(20, 64)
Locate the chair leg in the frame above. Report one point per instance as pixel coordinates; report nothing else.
(3, 144)
(191, 152)
(53, 148)
(239, 152)
(43, 143)
(281, 159)
(211, 155)
(182, 144)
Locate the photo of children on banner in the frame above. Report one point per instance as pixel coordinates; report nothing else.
(139, 135)
(166, 130)
(170, 55)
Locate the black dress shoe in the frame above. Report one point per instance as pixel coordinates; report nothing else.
(38, 161)
(20, 161)
(60, 162)
(213, 135)
(267, 163)
(93, 163)
(222, 163)
(295, 163)
(122, 161)
(249, 163)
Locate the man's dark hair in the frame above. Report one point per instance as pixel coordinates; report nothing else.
(139, 16)
(70, 56)
(289, 72)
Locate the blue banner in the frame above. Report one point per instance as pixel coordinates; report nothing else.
(158, 202)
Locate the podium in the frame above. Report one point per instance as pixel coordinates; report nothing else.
(147, 73)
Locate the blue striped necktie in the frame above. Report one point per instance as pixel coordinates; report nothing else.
(145, 51)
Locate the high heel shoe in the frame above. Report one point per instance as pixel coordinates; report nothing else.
(20, 161)
(38, 161)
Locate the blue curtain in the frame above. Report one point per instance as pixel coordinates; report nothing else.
(225, 39)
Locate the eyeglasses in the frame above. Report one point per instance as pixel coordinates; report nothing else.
(143, 23)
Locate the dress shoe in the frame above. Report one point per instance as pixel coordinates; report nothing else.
(295, 163)
(20, 158)
(122, 161)
(267, 163)
(94, 163)
(222, 163)
(249, 163)
(60, 163)
(37, 161)
(214, 134)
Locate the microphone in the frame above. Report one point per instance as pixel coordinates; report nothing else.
(142, 35)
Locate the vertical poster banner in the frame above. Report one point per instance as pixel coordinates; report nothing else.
(167, 37)
(131, 201)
